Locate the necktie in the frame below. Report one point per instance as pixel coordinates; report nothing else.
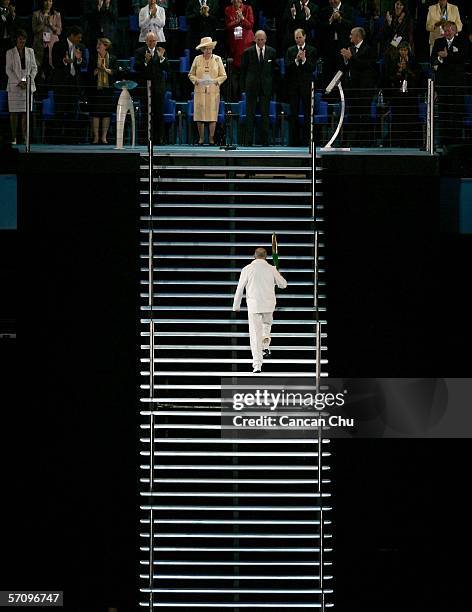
(261, 56)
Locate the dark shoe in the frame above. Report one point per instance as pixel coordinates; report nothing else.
(266, 352)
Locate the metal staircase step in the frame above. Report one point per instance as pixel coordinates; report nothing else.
(232, 193)
(221, 257)
(260, 232)
(223, 168)
(232, 180)
(249, 245)
(207, 219)
(223, 205)
(211, 296)
(189, 605)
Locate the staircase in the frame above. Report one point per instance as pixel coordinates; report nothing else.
(226, 524)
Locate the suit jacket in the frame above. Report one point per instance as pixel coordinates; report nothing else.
(435, 15)
(257, 78)
(362, 67)
(258, 279)
(290, 23)
(152, 24)
(303, 73)
(153, 72)
(100, 22)
(198, 25)
(62, 72)
(451, 70)
(335, 35)
(13, 68)
(7, 26)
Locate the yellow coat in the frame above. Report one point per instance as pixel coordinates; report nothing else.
(435, 15)
(207, 96)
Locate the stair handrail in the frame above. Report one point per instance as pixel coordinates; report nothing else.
(430, 118)
(312, 148)
(151, 340)
(28, 113)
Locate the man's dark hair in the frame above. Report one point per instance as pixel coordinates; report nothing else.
(74, 30)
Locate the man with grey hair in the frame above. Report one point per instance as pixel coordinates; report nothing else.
(259, 279)
(360, 67)
(151, 65)
(257, 76)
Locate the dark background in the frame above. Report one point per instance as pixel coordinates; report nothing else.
(397, 307)
(73, 459)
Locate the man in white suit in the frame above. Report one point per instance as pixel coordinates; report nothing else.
(259, 279)
(438, 14)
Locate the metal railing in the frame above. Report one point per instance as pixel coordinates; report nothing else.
(150, 289)
(415, 118)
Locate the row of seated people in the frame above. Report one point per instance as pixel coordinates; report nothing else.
(73, 68)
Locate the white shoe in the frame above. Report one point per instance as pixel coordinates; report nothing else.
(257, 370)
(13, 142)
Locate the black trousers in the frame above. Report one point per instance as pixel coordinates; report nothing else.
(300, 92)
(251, 106)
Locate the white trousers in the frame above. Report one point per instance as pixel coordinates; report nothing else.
(259, 334)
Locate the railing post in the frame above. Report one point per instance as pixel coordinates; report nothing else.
(312, 150)
(430, 118)
(28, 114)
(151, 340)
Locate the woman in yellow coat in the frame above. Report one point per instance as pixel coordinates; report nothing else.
(207, 74)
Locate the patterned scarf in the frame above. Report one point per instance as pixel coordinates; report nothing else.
(102, 75)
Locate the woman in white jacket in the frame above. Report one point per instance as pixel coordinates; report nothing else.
(152, 18)
(20, 64)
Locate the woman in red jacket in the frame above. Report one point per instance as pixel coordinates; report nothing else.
(239, 20)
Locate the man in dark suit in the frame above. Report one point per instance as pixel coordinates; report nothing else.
(448, 59)
(298, 14)
(257, 77)
(300, 62)
(335, 23)
(7, 27)
(68, 62)
(202, 19)
(359, 61)
(150, 66)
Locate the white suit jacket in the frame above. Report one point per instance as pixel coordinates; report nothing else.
(435, 15)
(13, 67)
(152, 24)
(259, 279)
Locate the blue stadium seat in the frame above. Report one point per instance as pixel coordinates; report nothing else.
(183, 27)
(133, 23)
(185, 61)
(48, 109)
(3, 104)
